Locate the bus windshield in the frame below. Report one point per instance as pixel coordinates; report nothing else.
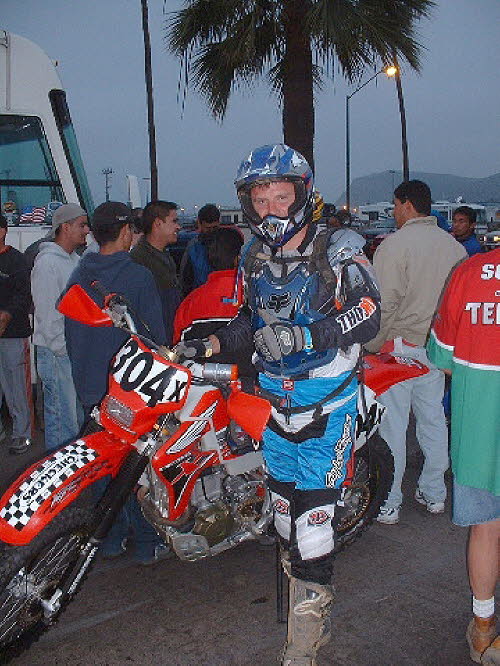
(29, 184)
(71, 149)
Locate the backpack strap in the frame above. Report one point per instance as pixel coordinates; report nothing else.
(318, 261)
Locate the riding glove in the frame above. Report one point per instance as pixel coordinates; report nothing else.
(196, 348)
(279, 339)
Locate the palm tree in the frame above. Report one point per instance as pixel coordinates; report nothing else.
(293, 42)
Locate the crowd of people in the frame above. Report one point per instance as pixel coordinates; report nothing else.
(294, 308)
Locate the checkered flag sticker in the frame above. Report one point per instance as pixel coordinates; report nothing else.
(44, 480)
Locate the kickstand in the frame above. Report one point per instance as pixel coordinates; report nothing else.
(281, 607)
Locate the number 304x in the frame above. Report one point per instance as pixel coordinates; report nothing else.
(138, 370)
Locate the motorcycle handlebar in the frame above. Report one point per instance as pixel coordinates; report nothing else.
(219, 373)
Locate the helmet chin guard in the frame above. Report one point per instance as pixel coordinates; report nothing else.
(270, 163)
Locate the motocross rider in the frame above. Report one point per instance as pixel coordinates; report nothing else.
(310, 302)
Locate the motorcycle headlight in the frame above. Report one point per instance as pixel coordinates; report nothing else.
(119, 412)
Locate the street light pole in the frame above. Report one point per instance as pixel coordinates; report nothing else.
(149, 95)
(402, 113)
(389, 71)
(107, 173)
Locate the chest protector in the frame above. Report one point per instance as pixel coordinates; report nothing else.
(302, 294)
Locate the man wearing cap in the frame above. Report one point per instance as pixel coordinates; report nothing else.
(111, 270)
(15, 329)
(53, 265)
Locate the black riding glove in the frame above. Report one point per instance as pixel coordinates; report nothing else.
(194, 348)
(278, 339)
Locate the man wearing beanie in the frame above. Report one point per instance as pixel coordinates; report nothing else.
(53, 265)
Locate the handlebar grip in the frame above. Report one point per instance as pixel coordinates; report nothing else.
(216, 373)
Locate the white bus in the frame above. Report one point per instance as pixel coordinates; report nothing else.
(40, 162)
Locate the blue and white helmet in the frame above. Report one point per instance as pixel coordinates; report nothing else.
(276, 163)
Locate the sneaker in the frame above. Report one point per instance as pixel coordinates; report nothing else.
(432, 507)
(19, 445)
(481, 634)
(159, 553)
(491, 656)
(388, 515)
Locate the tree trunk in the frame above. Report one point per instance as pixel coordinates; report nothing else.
(298, 101)
(149, 92)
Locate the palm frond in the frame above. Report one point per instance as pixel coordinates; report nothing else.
(361, 33)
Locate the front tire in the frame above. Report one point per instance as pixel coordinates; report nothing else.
(372, 481)
(30, 574)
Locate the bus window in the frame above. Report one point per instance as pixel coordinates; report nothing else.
(70, 145)
(28, 178)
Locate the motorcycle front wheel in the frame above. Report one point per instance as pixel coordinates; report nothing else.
(372, 480)
(30, 574)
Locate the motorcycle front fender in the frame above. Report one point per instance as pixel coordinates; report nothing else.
(51, 484)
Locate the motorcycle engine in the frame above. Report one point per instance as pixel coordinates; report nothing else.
(223, 504)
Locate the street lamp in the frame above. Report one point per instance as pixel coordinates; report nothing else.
(389, 71)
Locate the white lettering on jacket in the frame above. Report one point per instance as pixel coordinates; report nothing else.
(484, 313)
(490, 271)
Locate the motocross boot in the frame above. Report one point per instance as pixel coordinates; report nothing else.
(309, 622)
(481, 633)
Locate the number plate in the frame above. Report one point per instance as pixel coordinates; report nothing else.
(153, 379)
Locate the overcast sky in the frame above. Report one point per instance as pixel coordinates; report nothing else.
(452, 106)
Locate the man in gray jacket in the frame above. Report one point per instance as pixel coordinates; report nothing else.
(412, 266)
(53, 266)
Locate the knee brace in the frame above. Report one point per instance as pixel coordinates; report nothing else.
(281, 498)
(311, 553)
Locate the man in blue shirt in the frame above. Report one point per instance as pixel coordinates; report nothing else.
(194, 268)
(463, 225)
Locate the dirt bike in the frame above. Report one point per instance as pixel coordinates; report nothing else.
(182, 434)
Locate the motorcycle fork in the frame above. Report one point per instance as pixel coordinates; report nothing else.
(113, 499)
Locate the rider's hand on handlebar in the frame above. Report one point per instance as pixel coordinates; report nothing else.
(194, 348)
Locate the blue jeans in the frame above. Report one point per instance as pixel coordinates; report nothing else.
(62, 410)
(129, 519)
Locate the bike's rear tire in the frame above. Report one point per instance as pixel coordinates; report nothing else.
(31, 573)
(372, 481)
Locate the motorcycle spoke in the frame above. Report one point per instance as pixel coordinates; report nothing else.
(13, 613)
(54, 558)
(21, 606)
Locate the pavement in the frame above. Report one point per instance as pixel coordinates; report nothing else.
(402, 598)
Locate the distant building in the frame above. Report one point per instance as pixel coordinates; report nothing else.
(231, 215)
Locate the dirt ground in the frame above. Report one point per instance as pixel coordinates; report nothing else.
(401, 599)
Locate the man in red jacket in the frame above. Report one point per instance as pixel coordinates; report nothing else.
(211, 306)
(465, 341)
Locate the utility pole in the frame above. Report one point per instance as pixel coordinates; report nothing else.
(402, 114)
(149, 92)
(107, 173)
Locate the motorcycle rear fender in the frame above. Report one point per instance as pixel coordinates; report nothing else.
(384, 370)
(49, 485)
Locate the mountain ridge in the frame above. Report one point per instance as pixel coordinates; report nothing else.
(444, 187)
